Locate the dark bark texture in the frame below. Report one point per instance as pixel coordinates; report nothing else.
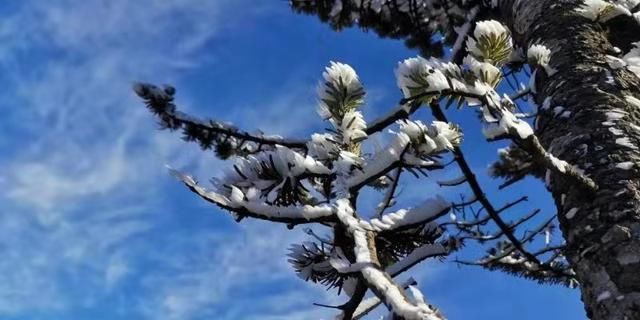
(603, 131)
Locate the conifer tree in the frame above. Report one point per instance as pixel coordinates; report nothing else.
(575, 125)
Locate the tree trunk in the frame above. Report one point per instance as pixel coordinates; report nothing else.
(601, 136)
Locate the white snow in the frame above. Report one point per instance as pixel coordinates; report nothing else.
(558, 110)
(375, 277)
(632, 58)
(401, 218)
(337, 77)
(336, 9)
(488, 31)
(625, 165)
(615, 115)
(418, 75)
(603, 296)
(538, 55)
(546, 104)
(571, 213)
(560, 165)
(340, 73)
(633, 100)
(484, 71)
(616, 132)
(625, 142)
(323, 146)
(435, 138)
(508, 123)
(352, 127)
(615, 62)
(381, 161)
(599, 10)
(237, 200)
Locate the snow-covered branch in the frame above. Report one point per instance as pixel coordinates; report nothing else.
(428, 211)
(427, 80)
(416, 256)
(389, 196)
(383, 162)
(241, 207)
(377, 279)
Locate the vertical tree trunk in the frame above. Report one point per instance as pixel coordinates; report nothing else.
(598, 130)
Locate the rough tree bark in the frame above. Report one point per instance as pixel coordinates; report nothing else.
(601, 137)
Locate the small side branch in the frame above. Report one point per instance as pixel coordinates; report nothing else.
(540, 155)
(290, 215)
(479, 193)
(207, 133)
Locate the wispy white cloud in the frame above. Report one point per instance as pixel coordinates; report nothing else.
(82, 185)
(78, 182)
(243, 275)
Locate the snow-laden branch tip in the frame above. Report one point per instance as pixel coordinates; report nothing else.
(340, 92)
(538, 55)
(484, 71)
(491, 42)
(435, 138)
(417, 75)
(273, 175)
(323, 146)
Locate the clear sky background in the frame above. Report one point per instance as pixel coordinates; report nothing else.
(93, 227)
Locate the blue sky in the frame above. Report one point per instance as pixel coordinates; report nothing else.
(93, 227)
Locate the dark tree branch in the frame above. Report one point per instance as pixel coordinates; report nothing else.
(226, 138)
(479, 193)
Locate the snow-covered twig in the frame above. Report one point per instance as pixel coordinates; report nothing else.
(428, 211)
(416, 256)
(478, 191)
(389, 195)
(259, 210)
